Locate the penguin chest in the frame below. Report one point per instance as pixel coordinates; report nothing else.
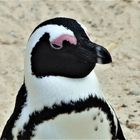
(86, 125)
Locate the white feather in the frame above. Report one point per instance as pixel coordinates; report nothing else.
(75, 126)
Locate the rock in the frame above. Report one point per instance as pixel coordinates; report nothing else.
(131, 125)
(130, 116)
(133, 92)
(123, 105)
(138, 101)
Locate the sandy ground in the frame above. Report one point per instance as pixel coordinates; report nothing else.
(114, 24)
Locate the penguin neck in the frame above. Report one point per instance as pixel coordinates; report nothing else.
(51, 90)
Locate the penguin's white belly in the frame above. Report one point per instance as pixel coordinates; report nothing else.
(84, 125)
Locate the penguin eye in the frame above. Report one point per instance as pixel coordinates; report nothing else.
(56, 47)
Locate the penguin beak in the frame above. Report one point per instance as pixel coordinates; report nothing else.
(100, 53)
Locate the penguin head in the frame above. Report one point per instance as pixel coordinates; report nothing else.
(61, 47)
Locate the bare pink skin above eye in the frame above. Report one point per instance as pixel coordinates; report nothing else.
(59, 40)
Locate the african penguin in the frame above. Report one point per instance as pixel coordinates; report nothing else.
(61, 97)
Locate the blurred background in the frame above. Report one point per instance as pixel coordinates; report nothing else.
(115, 24)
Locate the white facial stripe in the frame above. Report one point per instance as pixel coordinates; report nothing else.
(54, 31)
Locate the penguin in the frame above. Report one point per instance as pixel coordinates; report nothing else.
(61, 97)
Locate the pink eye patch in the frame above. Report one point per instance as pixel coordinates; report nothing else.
(59, 40)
